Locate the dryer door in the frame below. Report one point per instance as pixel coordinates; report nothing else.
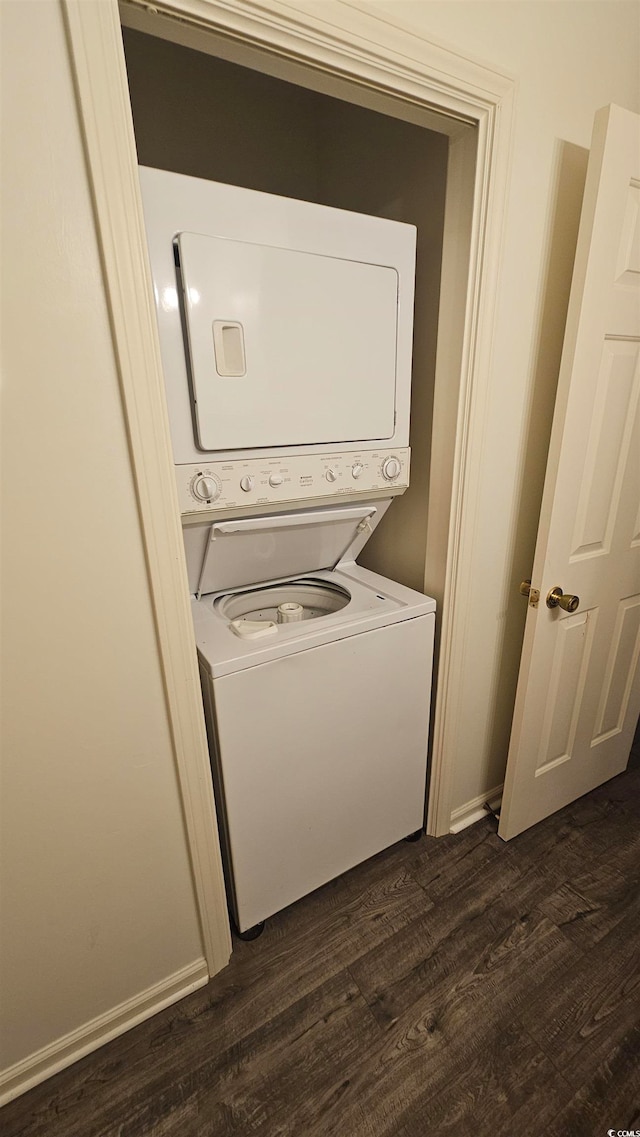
(287, 347)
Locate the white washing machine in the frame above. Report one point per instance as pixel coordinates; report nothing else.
(316, 689)
(285, 331)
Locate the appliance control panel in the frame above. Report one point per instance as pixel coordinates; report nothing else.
(268, 482)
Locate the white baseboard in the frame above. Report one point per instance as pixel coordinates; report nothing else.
(475, 810)
(64, 1051)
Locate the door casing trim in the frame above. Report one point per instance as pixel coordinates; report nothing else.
(341, 48)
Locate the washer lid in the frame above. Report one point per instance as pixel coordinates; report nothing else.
(251, 550)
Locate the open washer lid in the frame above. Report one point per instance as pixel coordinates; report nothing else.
(251, 550)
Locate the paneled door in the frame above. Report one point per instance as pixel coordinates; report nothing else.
(578, 694)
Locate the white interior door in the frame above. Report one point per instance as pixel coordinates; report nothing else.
(578, 694)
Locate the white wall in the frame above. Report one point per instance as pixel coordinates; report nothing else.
(97, 898)
(569, 59)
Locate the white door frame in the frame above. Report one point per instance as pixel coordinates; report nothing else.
(338, 48)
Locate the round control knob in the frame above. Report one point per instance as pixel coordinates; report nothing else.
(356, 469)
(390, 469)
(205, 488)
(276, 480)
(331, 474)
(246, 483)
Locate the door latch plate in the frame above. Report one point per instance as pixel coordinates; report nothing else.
(533, 594)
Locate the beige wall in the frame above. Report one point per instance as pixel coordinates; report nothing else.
(97, 896)
(389, 168)
(202, 116)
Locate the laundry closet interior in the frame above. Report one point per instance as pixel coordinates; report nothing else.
(200, 115)
(206, 117)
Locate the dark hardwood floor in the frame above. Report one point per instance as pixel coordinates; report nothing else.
(459, 986)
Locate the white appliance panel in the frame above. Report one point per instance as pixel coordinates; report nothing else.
(250, 485)
(376, 255)
(318, 772)
(251, 550)
(375, 603)
(287, 347)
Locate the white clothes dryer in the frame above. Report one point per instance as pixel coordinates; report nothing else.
(316, 691)
(285, 330)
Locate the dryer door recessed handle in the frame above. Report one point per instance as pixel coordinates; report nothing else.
(228, 346)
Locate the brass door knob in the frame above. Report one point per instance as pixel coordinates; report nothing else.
(556, 598)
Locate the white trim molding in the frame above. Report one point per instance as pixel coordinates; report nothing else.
(341, 39)
(475, 809)
(343, 49)
(65, 1051)
(95, 41)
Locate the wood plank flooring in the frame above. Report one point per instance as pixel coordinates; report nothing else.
(459, 986)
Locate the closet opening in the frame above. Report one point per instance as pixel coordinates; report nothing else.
(197, 114)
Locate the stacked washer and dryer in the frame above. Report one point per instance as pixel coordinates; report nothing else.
(285, 332)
